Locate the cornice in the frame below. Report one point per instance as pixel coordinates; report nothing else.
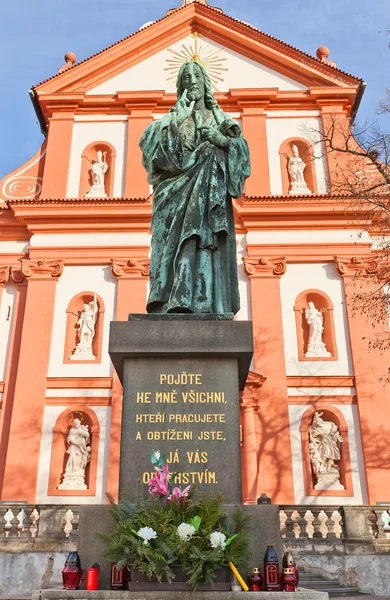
(130, 268)
(299, 212)
(264, 267)
(235, 100)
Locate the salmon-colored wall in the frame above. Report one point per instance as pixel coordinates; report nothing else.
(21, 466)
(275, 476)
(370, 367)
(59, 141)
(11, 373)
(255, 133)
(132, 284)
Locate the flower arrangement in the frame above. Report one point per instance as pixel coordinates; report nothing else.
(171, 528)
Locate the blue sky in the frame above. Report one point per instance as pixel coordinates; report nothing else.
(35, 36)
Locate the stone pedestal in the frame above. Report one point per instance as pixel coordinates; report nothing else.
(264, 523)
(328, 481)
(181, 377)
(108, 595)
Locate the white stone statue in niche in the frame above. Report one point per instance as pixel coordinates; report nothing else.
(324, 449)
(86, 332)
(315, 319)
(79, 456)
(98, 172)
(296, 167)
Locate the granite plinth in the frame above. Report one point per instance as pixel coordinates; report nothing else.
(184, 336)
(264, 525)
(181, 317)
(181, 381)
(302, 594)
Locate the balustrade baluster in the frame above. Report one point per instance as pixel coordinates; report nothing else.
(302, 523)
(372, 519)
(383, 520)
(330, 525)
(289, 523)
(34, 517)
(68, 527)
(20, 518)
(317, 524)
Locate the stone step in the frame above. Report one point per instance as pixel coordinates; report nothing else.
(344, 593)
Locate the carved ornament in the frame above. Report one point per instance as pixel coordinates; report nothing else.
(17, 275)
(42, 269)
(264, 266)
(130, 267)
(4, 274)
(358, 265)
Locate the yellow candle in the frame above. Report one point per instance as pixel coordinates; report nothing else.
(240, 579)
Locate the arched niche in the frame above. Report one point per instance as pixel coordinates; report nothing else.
(306, 153)
(88, 157)
(73, 312)
(59, 456)
(333, 414)
(323, 303)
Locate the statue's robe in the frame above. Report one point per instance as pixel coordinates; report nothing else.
(193, 264)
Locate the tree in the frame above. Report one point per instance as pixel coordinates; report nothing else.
(359, 162)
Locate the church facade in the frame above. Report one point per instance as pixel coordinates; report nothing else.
(75, 250)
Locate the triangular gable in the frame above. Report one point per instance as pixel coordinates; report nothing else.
(227, 69)
(240, 39)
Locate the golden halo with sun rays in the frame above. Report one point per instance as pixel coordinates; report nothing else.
(207, 56)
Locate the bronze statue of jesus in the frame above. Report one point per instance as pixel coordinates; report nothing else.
(197, 162)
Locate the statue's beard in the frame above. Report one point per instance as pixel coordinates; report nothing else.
(194, 95)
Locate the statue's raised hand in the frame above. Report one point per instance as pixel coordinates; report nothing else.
(183, 108)
(215, 137)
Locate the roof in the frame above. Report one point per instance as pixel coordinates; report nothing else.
(231, 22)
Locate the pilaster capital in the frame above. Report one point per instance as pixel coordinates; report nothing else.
(4, 274)
(130, 268)
(42, 269)
(248, 398)
(263, 267)
(359, 265)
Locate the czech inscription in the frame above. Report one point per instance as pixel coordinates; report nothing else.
(168, 415)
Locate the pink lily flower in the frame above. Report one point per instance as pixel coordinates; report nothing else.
(179, 495)
(158, 485)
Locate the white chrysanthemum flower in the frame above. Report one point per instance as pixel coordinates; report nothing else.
(185, 531)
(147, 533)
(217, 539)
(157, 455)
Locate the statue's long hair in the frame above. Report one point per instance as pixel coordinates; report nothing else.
(209, 100)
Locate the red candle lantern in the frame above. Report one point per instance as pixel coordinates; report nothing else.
(289, 579)
(119, 578)
(271, 570)
(92, 580)
(288, 561)
(72, 572)
(255, 580)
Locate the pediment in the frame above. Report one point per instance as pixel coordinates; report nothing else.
(227, 68)
(251, 58)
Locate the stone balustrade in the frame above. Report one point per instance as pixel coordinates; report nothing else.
(50, 528)
(345, 529)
